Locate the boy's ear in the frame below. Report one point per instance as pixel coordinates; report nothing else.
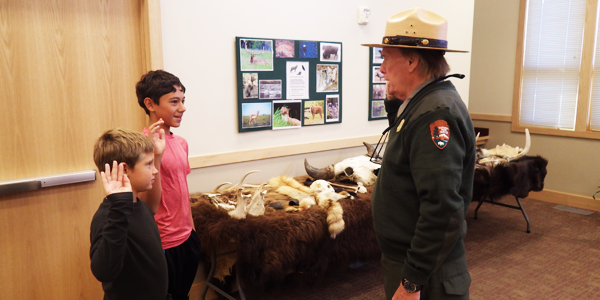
(149, 103)
(125, 168)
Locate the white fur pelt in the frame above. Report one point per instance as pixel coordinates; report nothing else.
(320, 192)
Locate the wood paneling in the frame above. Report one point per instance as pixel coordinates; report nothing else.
(68, 75)
(68, 69)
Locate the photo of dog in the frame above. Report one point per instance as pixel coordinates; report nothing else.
(313, 112)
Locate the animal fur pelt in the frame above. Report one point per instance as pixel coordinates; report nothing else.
(270, 246)
(326, 199)
(517, 178)
(288, 186)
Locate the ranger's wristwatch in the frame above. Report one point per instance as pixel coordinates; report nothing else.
(411, 287)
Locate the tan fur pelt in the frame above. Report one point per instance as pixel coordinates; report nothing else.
(279, 181)
(326, 200)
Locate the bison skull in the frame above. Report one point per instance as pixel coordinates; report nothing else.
(356, 169)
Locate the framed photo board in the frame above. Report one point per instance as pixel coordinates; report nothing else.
(286, 84)
(377, 90)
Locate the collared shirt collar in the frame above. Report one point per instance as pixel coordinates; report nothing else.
(414, 92)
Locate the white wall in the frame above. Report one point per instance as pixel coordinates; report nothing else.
(199, 47)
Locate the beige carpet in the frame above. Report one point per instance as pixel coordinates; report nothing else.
(559, 259)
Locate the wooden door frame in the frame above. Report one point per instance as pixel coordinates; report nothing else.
(151, 35)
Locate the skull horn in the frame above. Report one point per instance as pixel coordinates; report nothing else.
(316, 173)
(370, 150)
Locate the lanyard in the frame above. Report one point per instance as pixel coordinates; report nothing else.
(375, 158)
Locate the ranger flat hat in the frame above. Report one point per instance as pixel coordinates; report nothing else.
(416, 28)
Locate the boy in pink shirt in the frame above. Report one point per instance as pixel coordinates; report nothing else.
(161, 95)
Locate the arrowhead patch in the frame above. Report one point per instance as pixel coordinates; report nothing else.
(440, 133)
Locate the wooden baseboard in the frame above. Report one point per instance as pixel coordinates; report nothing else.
(210, 160)
(566, 199)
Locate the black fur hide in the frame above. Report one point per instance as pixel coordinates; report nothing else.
(516, 178)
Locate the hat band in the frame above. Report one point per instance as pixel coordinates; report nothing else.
(414, 41)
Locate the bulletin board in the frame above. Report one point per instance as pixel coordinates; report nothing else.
(377, 91)
(287, 84)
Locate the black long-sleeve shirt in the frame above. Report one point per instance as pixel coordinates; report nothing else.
(126, 252)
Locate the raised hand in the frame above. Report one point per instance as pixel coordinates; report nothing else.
(157, 135)
(115, 181)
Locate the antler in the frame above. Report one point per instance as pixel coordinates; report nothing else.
(244, 177)
(526, 149)
(216, 189)
(253, 54)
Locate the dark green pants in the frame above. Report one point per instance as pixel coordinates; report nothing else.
(451, 281)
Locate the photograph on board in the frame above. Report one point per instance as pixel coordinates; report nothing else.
(284, 49)
(269, 89)
(255, 115)
(250, 82)
(378, 77)
(287, 114)
(327, 78)
(333, 108)
(379, 91)
(377, 58)
(307, 49)
(331, 52)
(313, 112)
(256, 55)
(378, 109)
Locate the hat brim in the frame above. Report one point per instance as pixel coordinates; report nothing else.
(414, 47)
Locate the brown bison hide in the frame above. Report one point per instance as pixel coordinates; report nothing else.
(272, 245)
(516, 178)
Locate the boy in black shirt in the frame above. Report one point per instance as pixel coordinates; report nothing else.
(126, 252)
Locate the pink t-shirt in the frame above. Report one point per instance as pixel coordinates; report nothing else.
(173, 215)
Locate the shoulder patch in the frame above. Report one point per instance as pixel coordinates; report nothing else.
(440, 133)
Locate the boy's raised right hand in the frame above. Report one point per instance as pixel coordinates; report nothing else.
(157, 134)
(115, 181)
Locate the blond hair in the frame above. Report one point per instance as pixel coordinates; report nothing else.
(122, 145)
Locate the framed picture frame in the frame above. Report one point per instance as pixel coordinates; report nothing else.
(377, 86)
(283, 73)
